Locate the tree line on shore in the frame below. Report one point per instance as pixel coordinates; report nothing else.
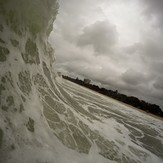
(131, 100)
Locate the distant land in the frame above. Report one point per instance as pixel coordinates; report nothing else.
(131, 100)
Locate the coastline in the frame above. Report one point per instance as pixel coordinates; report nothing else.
(140, 110)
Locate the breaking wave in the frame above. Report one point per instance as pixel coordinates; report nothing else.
(46, 119)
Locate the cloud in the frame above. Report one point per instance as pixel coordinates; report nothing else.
(159, 83)
(154, 8)
(132, 49)
(101, 35)
(153, 49)
(133, 77)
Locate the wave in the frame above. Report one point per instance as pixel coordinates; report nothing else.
(26, 60)
(44, 119)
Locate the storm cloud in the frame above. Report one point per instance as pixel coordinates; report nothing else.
(117, 44)
(154, 8)
(101, 35)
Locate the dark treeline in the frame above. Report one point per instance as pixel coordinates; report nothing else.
(131, 100)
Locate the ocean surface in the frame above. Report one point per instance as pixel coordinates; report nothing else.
(46, 119)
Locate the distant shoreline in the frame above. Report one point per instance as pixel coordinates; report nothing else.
(142, 111)
(147, 108)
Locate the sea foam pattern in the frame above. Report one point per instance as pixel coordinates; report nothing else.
(46, 119)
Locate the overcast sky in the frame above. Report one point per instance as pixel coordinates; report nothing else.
(117, 43)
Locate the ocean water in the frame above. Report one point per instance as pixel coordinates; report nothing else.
(46, 119)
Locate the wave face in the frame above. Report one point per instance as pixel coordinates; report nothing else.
(26, 75)
(44, 118)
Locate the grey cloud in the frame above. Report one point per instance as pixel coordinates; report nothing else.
(136, 47)
(157, 67)
(133, 77)
(150, 54)
(159, 83)
(153, 49)
(101, 35)
(154, 7)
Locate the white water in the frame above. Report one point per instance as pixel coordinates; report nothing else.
(46, 119)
